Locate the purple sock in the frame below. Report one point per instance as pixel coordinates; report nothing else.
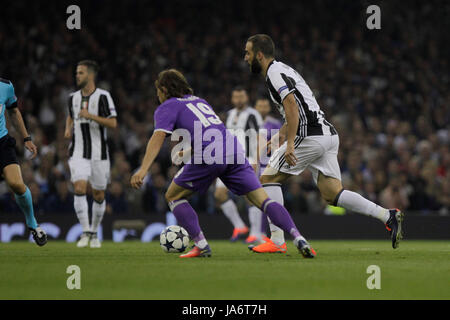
(186, 217)
(280, 217)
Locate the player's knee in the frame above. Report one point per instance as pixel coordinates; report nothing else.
(221, 195)
(18, 187)
(98, 196)
(266, 179)
(79, 190)
(169, 196)
(330, 196)
(328, 199)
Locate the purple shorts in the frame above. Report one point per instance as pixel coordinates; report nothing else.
(238, 178)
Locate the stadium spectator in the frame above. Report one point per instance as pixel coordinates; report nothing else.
(60, 202)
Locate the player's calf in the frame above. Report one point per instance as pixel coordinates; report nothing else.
(221, 195)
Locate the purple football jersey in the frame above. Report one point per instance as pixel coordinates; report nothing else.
(217, 152)
(193, 117)
(270, 123)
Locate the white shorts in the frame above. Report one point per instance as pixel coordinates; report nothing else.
(316, 153)
(97, 172)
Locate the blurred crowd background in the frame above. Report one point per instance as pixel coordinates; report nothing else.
(386, 91)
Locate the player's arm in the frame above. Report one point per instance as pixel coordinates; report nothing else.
(103, 121)
(17, 120)
(292, 119)
(282, 133)
(69, 126)
(180, 156)
(153, 147)
(106, 112)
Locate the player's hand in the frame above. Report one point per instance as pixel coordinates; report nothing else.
(177, 158)
(182, 156)
(84, 113)
(68, 134)
(289, 155)
(32, 148)
(138, 179)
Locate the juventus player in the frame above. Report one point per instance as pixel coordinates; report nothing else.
(240, 119)
(310, 142)
(91, 111)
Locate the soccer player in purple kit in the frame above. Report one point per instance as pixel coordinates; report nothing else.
(181, 110)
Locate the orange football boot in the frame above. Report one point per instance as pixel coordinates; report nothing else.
(238, 232)
(251, 239)
(197, 252)
(270, 247)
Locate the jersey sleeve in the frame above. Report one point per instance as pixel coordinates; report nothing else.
(11, 99)
(70, 105)
(106, 107)
(165, 119)
(280, 82)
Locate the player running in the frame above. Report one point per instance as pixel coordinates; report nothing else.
(240, 119)
(217, 154)
(310, 142)
(9, 166)
(91, 111)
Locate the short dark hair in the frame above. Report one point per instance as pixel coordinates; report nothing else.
(263, 43)
(239, 88)
(174, 82)
(90, 64)
(262, 99)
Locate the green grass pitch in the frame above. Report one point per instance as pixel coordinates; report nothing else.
(135, 270)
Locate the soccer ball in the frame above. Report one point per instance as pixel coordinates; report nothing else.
(174, 239)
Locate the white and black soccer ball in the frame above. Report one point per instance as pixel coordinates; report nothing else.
(174, 239)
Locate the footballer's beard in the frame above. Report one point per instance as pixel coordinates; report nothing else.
(255, 66)
(239, 106)
(82, 84)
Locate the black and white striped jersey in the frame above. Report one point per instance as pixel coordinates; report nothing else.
(239, 121)
(89, 137)
(282, 80)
